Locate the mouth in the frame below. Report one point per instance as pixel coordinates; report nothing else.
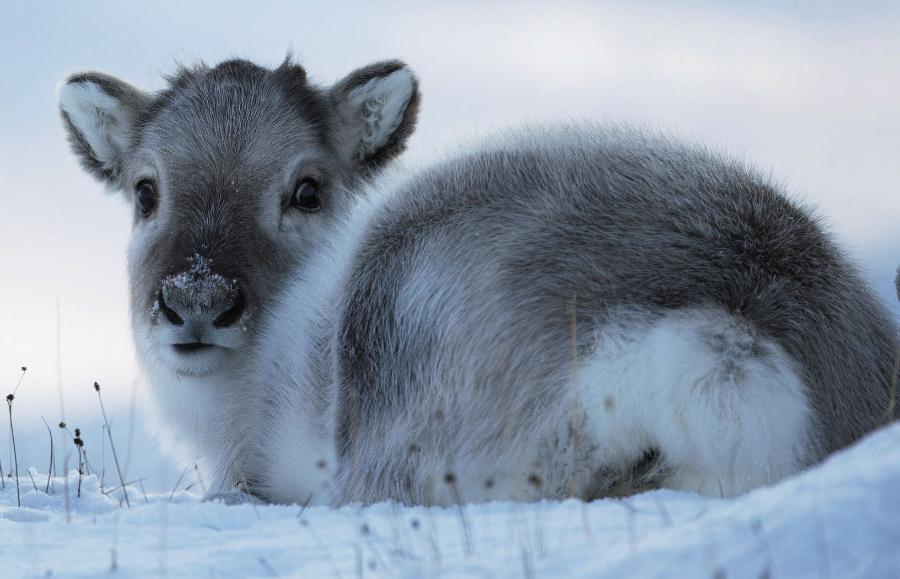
(196, 358)
(193, 347)
(193, 351)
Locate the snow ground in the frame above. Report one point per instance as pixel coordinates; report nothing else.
(841, 519)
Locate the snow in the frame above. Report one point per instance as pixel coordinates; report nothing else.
(840, 519)
(198, 286)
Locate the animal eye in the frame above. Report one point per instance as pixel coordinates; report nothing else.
(306, 196)
(146, 197)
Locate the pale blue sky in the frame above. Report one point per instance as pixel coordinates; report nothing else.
(806, 90)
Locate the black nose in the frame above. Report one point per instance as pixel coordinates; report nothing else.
(201, 305)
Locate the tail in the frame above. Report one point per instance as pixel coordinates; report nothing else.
(817, 305)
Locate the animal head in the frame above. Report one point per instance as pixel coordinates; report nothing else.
(236, 174)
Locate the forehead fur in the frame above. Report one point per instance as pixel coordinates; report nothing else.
(226, 109)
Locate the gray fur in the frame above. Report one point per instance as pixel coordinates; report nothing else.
(610, 219)
(449, 317)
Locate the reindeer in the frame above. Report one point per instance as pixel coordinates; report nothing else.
(582, 310)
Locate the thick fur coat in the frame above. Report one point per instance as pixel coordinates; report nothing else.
(582, 310)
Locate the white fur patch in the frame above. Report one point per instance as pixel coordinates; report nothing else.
(383, 101)
(725, 406)
(101, 119)
(298, 444)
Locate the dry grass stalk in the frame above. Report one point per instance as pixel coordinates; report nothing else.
(79, 444)
(51, 469)
(576, 420)
(112, 446)
(12, 434)
(465, 528)
(66, 482)
(33, 484)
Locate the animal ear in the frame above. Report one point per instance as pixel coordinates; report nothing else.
(99, 112)
(377, 106)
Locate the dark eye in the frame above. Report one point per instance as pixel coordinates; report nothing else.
(146, 197)
(306, 196)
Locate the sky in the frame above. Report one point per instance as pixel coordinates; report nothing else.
(805, 90)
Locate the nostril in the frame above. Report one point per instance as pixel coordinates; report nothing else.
(232, 314)
(170, 314)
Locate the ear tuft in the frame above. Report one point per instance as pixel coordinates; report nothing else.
(377, 106)
(99, 113)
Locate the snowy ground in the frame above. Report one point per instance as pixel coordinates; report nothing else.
(841, 519)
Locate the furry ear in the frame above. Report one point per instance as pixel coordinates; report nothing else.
(377, 106)
(100, 112)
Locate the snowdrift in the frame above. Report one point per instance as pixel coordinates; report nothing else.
(841, 519)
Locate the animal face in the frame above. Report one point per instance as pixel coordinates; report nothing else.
(237, 174)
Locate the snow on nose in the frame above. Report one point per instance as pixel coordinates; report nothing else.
(199, 297)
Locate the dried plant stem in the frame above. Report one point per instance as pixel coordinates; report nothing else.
(464, 527)
(111, 445)
(102, 456)
(131, 410)
(80, 471)
(79, 446)
(62, 406)
(134, 482)
(87, 464)
(144, 491)
(12, 434)
(33, 484)
(59, 385)
(19, 383)
(52, 461)
(178, 482)
(577, 420)
(576, 402)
